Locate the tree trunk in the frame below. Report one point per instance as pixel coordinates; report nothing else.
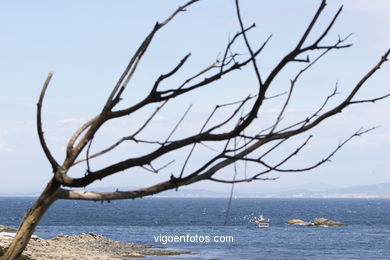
(31, 220)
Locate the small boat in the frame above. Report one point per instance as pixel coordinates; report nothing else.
(261, 222)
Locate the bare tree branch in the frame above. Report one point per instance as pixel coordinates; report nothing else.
(326, 159)
(94, 124)
(155, 95)
(178, 123)
(372, 100)
(207, 136)
(256, 69)
(292, 85)
(236, 137)
(243, 180)
(42, 140)
(311, 25)
(165, 76)
(131, 67)
(127, 138)
(347, 101)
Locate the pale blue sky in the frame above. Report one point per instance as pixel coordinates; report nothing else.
(88, 43)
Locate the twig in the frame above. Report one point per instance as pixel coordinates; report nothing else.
(178, 123)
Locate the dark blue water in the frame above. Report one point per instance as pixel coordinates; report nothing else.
(367, 235)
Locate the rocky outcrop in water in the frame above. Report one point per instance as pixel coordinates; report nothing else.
(316, 222)
(299, 222)
(327, 222)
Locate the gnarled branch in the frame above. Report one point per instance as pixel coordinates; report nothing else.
(42, 140)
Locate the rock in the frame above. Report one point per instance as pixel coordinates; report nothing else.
(5, 228)
(299, 222)
(326, 222)
(83, 246)
(8, 235)
(317, 222)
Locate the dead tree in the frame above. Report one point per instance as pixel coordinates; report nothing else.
(236, 142)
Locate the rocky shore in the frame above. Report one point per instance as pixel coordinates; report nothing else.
(84, 247)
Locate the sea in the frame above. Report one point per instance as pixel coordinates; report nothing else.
(156, 222)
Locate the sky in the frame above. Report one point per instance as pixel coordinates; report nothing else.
(88, 43)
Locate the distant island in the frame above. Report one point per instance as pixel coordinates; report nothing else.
(314, 190)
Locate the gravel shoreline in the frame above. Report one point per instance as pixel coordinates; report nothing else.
(85, 246)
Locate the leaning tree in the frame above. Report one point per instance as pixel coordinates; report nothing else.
(240, 135)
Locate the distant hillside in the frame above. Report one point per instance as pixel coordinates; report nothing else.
(377, 190)
(368, 191)
(314, 190)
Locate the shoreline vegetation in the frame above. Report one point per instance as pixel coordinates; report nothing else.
(82, 247)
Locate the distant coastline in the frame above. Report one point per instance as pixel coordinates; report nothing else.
(376, 191)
